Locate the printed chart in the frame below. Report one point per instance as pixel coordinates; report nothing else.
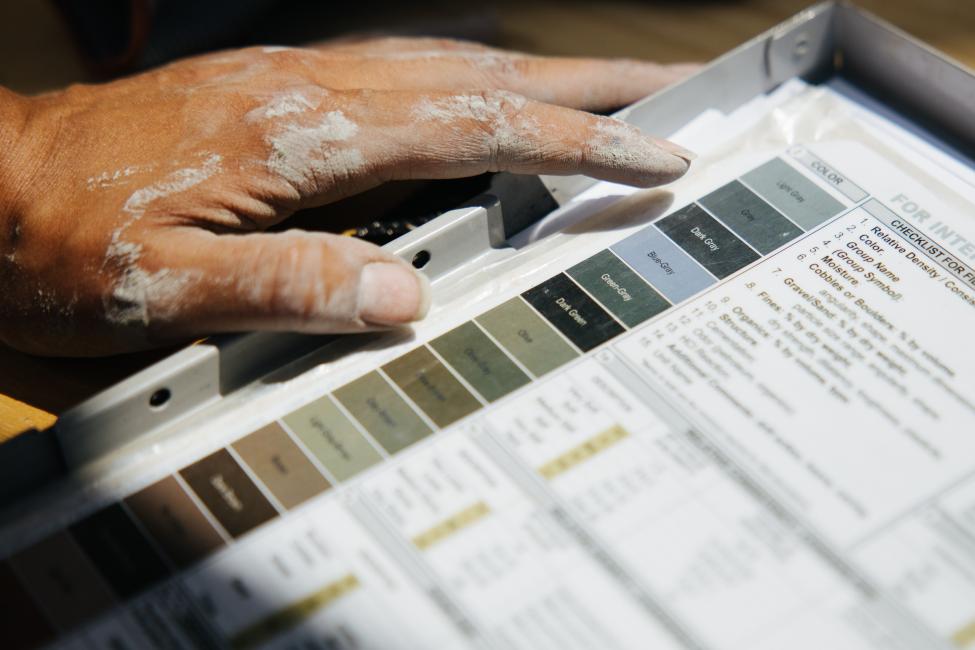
(629, 454)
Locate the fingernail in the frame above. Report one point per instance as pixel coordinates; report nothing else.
(675, 149)
(392, 294)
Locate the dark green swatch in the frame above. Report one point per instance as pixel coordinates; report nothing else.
(575, 314)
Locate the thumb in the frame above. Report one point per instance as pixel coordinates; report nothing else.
(294, 281)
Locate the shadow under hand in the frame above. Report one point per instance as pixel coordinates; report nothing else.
(601, 214)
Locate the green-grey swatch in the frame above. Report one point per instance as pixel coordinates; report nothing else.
(382, 412)
(431, 386)
(618, 288)
(332, 438)
(479, 361)
(526, 336)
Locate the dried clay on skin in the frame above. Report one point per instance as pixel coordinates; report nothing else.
(306, 154)
(137, 294)
(510, 129)
(288, 103)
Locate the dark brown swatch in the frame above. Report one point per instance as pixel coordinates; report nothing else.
(176, 524)
(227, 491)
(63, 581)
(22, 625)
(119, 550)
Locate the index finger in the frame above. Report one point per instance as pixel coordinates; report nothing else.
(399, 135)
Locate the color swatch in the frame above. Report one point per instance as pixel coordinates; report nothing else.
(618, 288)
(755, 221)
(432, 387)
(283, 468)
(572, 312)
(382, 412)
(63, 581)
(180, 529)
(116, 546)
(663, 264)
(527, 337)
(481, 363)
(332, 438)
(792, 193)
(228, 493)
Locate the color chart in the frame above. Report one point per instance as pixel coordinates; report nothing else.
(124, 550)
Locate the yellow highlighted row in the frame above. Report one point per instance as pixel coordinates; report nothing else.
(295, 613)
(449, 526)
(965, 637)
(582, 453)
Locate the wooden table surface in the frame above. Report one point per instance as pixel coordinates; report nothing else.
(35, 55)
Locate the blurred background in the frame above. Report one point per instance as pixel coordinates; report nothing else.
(47, 44)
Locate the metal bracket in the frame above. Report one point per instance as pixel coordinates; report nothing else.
(198, 376)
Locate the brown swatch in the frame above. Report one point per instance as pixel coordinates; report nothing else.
(228, 493)
(62, 579)
(281, 465)
(431, 386)
(22, 625)
(174, 521)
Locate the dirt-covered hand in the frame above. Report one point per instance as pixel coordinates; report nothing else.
(131, 212)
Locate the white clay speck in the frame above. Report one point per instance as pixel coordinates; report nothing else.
(508, 128)
(289, 103)
(137, 295)
(115, 178)
(178, 181)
